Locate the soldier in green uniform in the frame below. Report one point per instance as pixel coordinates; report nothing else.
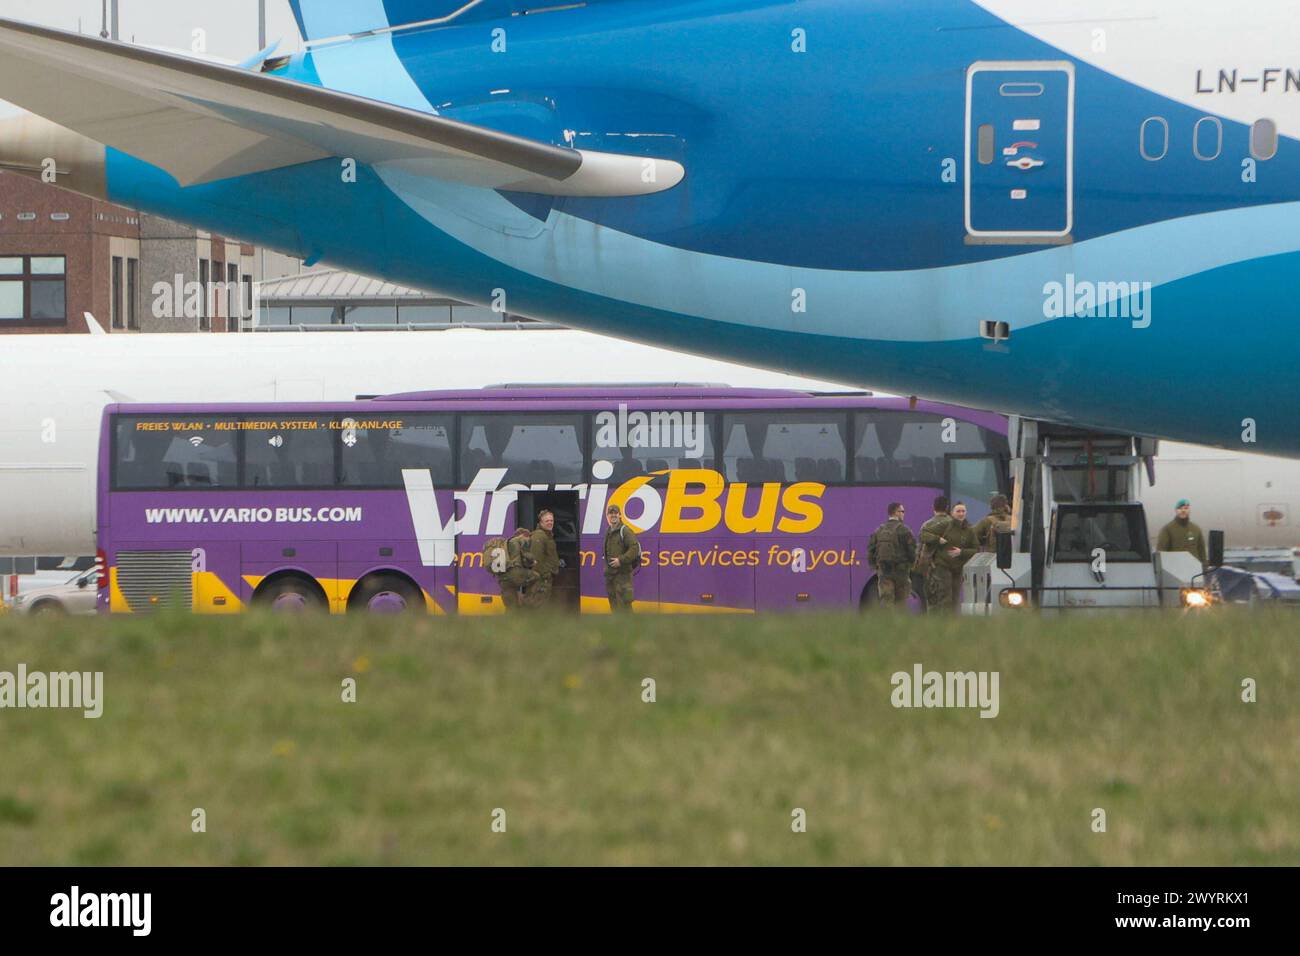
(546, 560)
(999, 519)
(1181, 534)
(622, 558)
(929, 541)
(891, 552)
(518, 575)
(953, 544)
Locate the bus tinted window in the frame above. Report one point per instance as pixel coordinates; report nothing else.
(373, 455)
(910, 446)
(534, 449)
(785, 446)
(170, 451)
(649, 441)
(288, 451)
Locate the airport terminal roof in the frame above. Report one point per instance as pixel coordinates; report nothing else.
(332, 285)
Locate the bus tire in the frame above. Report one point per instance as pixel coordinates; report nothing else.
(870, 599)
(386, 594)
(290, 594)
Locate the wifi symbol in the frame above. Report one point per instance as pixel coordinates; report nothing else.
(196, 441)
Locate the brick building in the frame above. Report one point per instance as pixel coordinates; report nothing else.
(63, 254)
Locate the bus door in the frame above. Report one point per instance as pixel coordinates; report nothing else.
(1020, 151)
(566, 588)
(973, 480)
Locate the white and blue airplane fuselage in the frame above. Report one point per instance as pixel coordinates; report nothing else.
(1087, 213)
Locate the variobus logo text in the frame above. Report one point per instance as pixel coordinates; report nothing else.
(694, 501)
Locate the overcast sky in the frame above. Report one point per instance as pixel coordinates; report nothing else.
(230, 25)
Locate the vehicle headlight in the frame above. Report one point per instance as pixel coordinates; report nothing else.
(20, 600)
(1014, 598)
(1196, 597)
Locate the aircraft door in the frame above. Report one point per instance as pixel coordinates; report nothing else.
(1019, 151)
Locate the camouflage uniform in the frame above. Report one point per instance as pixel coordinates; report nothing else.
(518, 575)
(943, 583)
(546, 562)
(621, 543)
(929, 542)
(986, 531)
(891, 552)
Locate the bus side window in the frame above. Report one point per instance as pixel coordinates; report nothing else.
(785, 446)
(200, 454)
(376, 457)
(300, 455)
(534, 448)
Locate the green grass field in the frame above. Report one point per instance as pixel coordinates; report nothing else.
(754, 717)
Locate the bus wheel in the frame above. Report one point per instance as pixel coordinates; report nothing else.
(870, 597)
(291, 596)
(386, 594)
(870, 600)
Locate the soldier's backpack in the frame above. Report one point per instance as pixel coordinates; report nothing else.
(997, 524)
(622, 536)
(496, 555)
(924, 553)
(520, 551)
(888, 551)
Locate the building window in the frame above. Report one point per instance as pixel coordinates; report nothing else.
(248, 296)
(115, 307)
(33, 289)
(424, 314)
(132, 300)
(205, 321)
(232, 297)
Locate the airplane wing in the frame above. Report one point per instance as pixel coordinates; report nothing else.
(204, 121)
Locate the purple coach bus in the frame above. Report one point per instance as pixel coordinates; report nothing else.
(745, 500)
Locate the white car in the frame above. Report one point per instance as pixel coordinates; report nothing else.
(74, 596)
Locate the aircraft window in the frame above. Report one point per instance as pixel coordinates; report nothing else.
(1263, 139)
(1154, 142)
(785, 446)
(533, 448)
(986, 144)
(288, 451)
(375, 456)
(175, 452)
(1208, 130)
